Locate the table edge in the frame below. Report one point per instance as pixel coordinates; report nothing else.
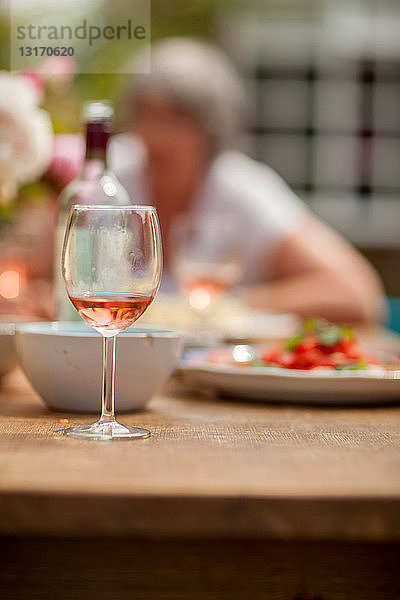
(374, 519)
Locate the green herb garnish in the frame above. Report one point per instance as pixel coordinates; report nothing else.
(358, 366)
(295, 341)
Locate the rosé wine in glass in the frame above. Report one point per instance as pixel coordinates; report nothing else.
(207, 257)
(111, 313)
(111, 264)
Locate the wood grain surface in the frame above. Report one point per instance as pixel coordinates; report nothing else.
(211, 468)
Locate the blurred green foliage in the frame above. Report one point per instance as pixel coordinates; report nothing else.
(168, 18)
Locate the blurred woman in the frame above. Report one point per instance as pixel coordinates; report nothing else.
(184, 123)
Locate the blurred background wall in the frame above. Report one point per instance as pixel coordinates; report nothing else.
(324, 97)
(323, 83)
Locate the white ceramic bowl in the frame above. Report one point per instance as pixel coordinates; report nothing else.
(8, 354)
(8, 357)
(63, 361)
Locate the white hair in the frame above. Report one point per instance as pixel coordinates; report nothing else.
(198, 77)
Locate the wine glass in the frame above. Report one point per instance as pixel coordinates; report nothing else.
(207, 257)
(111, 264)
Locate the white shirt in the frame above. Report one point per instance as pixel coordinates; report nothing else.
(235, 184)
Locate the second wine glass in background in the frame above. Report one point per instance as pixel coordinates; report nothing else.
(206, 257)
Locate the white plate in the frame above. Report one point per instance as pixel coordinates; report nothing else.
(275, 384)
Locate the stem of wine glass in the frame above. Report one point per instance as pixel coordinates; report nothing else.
(108, 390)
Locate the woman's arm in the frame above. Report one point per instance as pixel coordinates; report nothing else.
(317, 273)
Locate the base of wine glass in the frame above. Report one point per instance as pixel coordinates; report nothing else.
(107, 431)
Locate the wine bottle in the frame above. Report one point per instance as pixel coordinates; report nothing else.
(96, 184)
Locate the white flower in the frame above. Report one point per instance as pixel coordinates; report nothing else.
(26, 136)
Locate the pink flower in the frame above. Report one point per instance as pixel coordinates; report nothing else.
(68, 156)
(26, 135)
(58, 71)
(36, 80)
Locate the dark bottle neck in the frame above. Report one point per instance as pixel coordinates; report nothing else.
(97, 136)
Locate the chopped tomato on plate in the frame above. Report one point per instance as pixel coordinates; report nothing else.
(319, 344)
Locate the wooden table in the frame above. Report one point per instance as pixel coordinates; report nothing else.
(225, 500)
